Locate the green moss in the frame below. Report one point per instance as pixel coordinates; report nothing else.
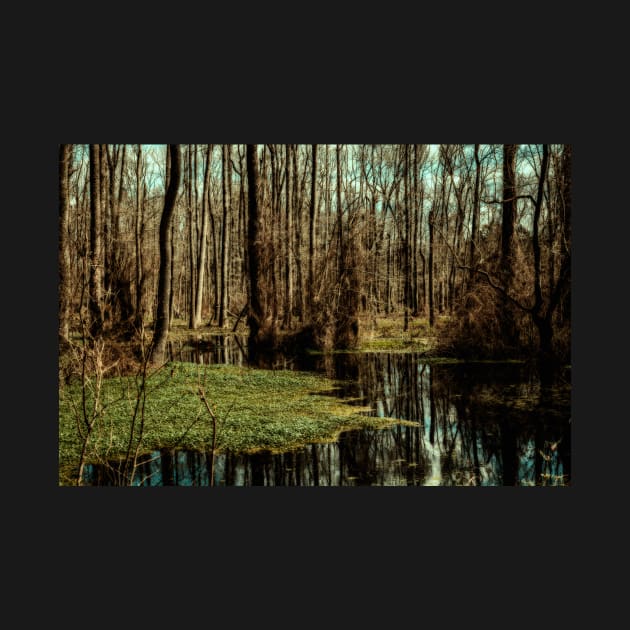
(256, 409)
(395, 345)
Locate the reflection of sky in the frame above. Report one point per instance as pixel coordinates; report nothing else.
(390, 458)
(394, 456)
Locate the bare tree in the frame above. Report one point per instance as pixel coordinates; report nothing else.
(261, 331)
(139, 230)
(65, 159)
(311, 231)
(225, 235)
(160, 333)
(203, 237)
(507, 231)
(96, 252)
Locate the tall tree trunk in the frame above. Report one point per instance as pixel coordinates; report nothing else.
(214, 229)
(188, 185)
(388, 276)
(243, 224)
(508, 326)
(406, 265)
(475, 217)
(565, 190)
(65, 159)
(346, 315)
(138, 242)
(288, 234)
(96, 262)
(225, 234)
(276, 223)
(118, 267)
(120, 192)
(414, 236)
(171, 297)
(541, 318)
(104, 237)
(298, 196)
(202, 251)
(258, 322)
(340, 234)
(164, 283)
(311, 233)
(431, 248)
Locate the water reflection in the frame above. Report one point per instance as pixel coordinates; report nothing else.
(477, 425)
(221, 349)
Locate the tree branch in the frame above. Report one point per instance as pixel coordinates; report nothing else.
(496, 287)
(499, 201)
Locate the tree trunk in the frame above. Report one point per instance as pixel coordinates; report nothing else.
(188, 185)
(276, 227)
(138, 242)
(118, 264)
(406, 265)
(96, 262)
(65, 159)
(508, 326)
(288, 266)
(104, 237)
(260, 332)
(475, 217)
(202, 251)
(541, 318)
(225, 235)
(311, 234)
(346, 315)
(565, 191)
(430, 288)
(298, 196)
(414, 237)
(164, 283)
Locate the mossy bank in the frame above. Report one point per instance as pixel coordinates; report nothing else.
(255, 409)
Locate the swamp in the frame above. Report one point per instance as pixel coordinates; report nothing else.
(314, 315)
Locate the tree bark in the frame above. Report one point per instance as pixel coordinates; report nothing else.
(311, 233)
(260, 332)
(541, 318)
(475, 217)
(164, 283)
(65, 159)
(188, 185)
(288, 234)
(406, 261)
(430, 288)
(202, 251)
(508, 327)
(346, 314)
(298, 196)
(139, 317)
(96, 253)
(225, 235)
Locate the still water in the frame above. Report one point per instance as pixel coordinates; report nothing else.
(479, 424)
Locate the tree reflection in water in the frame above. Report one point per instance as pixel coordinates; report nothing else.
(480, 424)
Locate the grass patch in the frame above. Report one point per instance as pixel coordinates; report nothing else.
(387, 334)
(256, 409)
(396, 345)
(179, 331)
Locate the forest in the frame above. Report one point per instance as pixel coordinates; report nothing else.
(284, 251)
